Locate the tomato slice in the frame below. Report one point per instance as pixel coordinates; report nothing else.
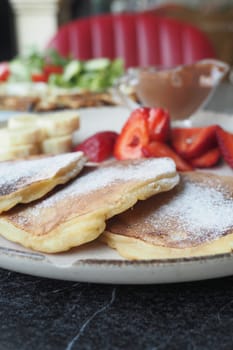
(39, 78)
(52, 69)
(4, 71)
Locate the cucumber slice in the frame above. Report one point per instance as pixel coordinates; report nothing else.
(117, 67)
(99, 82)
(71, 70)
(56, 80)
(19, 71)
(116, 70)
(84, 80)
(97, 64)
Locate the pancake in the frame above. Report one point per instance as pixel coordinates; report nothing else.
(76, 213)
(23, 181)
(194, 219)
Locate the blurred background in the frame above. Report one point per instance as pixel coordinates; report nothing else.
(31, 22)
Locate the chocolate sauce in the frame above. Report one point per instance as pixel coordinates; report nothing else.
(181, 90)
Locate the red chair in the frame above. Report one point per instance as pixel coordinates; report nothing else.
(140, 39)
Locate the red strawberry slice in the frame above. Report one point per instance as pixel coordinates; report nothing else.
(207, 160)
(134, 136)
(159, 149)
(99, 146)
(193, 142)
(159, 124)
(225, 142)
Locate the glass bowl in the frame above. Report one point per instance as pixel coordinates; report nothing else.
(182, 90)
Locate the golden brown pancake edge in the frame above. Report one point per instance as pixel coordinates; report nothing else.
(76, 214)
(134, 237)
(23, 181)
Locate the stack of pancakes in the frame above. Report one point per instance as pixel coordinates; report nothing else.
(142, 208)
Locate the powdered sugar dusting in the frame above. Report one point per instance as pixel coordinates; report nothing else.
(20, 173)
(99, 178)
(201, 212)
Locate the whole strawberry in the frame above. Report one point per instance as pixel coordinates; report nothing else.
(99, 146)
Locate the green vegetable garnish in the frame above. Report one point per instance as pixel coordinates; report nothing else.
(95, 74)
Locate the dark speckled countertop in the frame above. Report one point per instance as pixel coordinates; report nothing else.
(44, 314)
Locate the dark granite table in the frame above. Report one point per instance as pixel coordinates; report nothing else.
(43, 314)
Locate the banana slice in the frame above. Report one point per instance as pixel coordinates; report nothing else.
(20, 136)
(20, 151)
(22, 120)
(59, 123)
(57, 145)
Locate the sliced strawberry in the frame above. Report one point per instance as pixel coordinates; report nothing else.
(159, 149)
(193, 142)
(159, 124)
(225, 142)
(99, 146)
(207, 160)
(134, 136)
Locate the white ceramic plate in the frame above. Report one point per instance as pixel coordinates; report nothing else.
(98, 263)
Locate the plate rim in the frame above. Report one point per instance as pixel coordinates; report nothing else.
(41, 257)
